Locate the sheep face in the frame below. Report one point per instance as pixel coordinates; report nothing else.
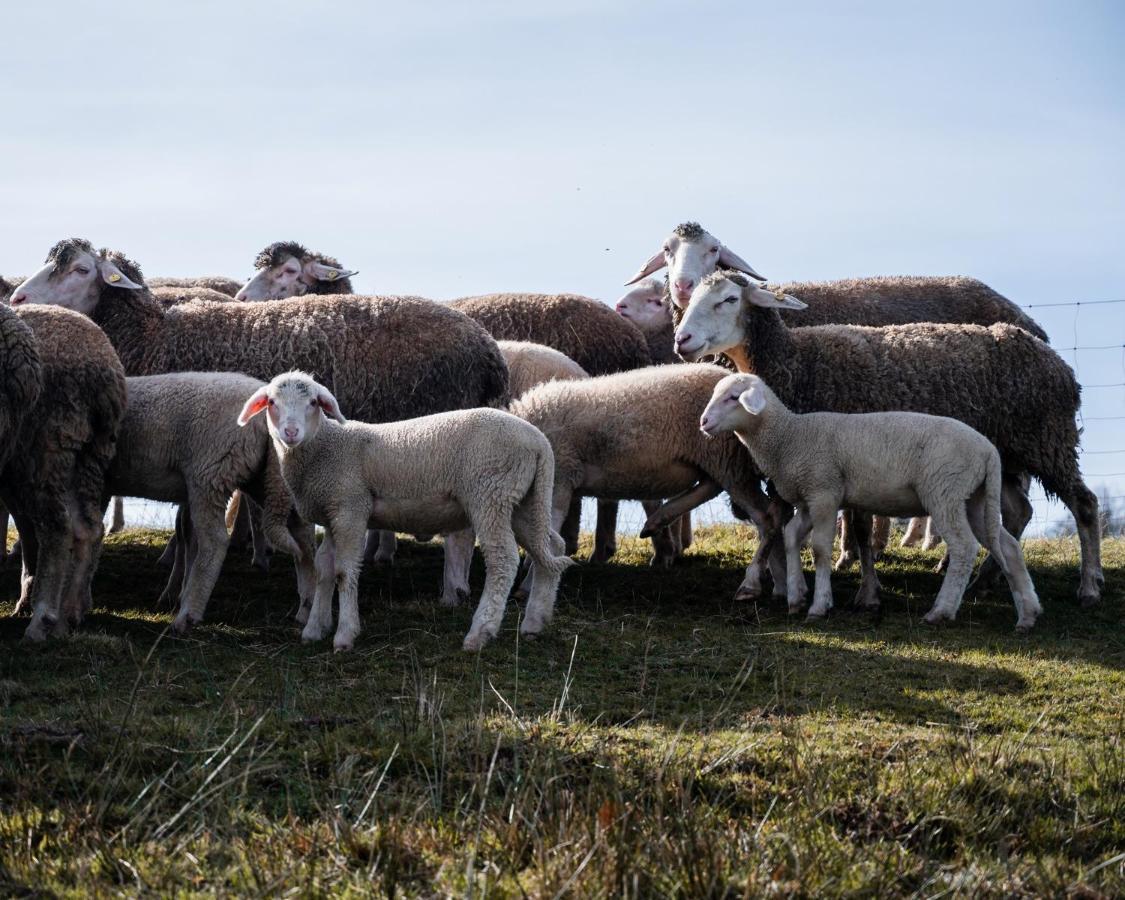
(295, 407)
(714, 320)
(291, 275)
(644, 306)
(691, 254)
(74, 277)
(734, 401)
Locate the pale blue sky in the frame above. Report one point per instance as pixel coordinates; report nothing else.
(451, 148)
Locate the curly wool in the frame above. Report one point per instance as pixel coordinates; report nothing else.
(21, 379)
(689, 231)
(385, 358)
(173, 296)
(63, 253)
(219, 283)
(589, 332)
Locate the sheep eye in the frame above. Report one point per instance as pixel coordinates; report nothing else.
(730, 299)
(81, 270)
(714, 249)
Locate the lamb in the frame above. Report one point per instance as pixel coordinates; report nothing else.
(531, 364)
(1000, 380)
(217, 283)
(55, 484)
(894, 463)
(588, 332)
(631, 436)
(387, 358)
(179, 443)
(482, 468)
(287, 269)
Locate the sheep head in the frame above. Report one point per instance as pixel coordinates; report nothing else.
(76, 276)
(288, 269)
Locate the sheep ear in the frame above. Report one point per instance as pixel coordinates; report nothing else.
(257, 402)
(114, 277)
(753, 400)
(655, 262)
(728, 259)
(759, 296)
(328, 403)
(321, 272)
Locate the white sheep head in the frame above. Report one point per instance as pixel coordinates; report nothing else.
(734, 404)
(287, 269)
(76, 275)
(714, 321)
(296, 404)
(691, 254)
(644, 306)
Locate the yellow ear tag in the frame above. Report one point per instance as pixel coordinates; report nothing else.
(332, 273)
(114, 278)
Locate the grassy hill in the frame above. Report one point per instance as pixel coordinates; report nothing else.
(661, 740)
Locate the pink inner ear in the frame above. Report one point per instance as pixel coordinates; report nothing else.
(252, 408)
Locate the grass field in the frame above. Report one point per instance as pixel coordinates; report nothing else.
(661, 740)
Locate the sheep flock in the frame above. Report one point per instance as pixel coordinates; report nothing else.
(486, 419)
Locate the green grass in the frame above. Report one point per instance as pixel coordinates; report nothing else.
(661, 740)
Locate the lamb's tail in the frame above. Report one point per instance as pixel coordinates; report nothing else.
(547, 546)
(993, 484)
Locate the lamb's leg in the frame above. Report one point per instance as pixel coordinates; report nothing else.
(501, 560)
(915, 529)
(302, 546)
(458, 558)
(178, 546)
(663, 545)
(560, 503)
(117, 523)
(571, 526)
(768, 516)
(1006, 550)
(605, 532)
(388, 545)
(849, 550)
(348, 536)
(533, 532)
(931, 538)
(880, 535)
(1016, 510)
(796, 531)
(209, 534)
(953, 523)
(867, 598)
(823, 531)
(320, 616)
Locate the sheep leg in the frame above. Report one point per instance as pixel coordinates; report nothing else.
(258, 540)
(880, 535)
(686, 535)
(605, 532)
(320, 616)
(1006, 551)
(684, 502)
(29, 556)
(849, 549)
(931, 538)
(501, 560)
(88, 529)
(867, 597)
(768, 516)
(348, 537)
(168, 557)
(117, 523)
(823, 532)
(458, 558)
(533, 532)
(1083, 505)
(954, 525)
(796, 531)
(386, 543)
(240, 535)
(571, 526)
(915, 529)
(663, 545)
(178, 546)
(302, 546)
(209, 535)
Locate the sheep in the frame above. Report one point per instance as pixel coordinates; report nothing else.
(173, 296)
(531, 364)
(1001, 380)
(387, 358)
(479, 468)
(287, 269)
(217, 283)
(179, 443)
(55, 483)
(8, 287)
(632, 436)
(895, 463)
(587, 331)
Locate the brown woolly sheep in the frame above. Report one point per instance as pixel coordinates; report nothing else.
(1000, 380)
(587, 331)
(173, 296)
(219, 283)
(54, 487)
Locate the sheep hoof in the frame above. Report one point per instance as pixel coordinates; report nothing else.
(811, 616)
(1025, 627)
(455, 597)
(844, 563)
(36, 632)
(747, 592)
(302, 616)
(312, 635)
(602, 554)
(662, 561)
(475, 641)
(647, 532)
(342, 645)
(936, 617)
(519, 594)
(183, 624)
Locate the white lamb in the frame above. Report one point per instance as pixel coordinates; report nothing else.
(890, 463)
(480, 468)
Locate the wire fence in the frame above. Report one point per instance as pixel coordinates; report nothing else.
(1103, 442)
